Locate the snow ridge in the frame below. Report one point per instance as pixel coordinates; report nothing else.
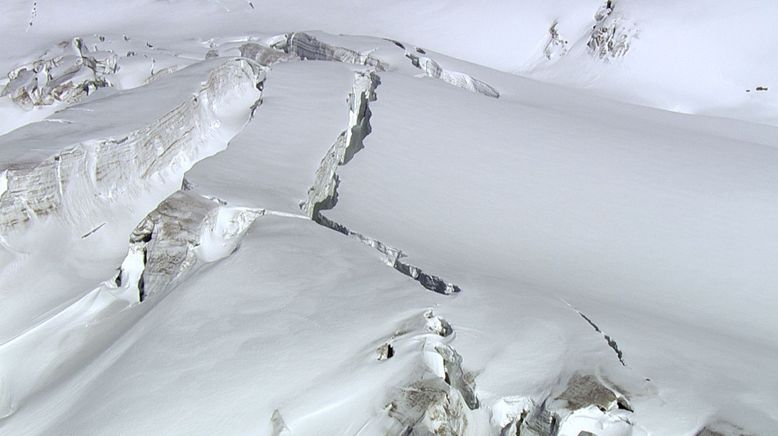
(461, 80)
(183, 231)
(76, 182)
(164, 247)
(307, 47)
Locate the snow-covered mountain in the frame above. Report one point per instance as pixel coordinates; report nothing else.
(523, 218)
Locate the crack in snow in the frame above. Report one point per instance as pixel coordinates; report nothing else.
(323, 194)
(610, 341)
(91, 232)
(106, 169)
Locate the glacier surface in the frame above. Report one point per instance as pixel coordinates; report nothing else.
(249, 227)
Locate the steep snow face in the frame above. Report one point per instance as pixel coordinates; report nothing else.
(81, 171)
(323, 194)
(460, 80)
(80, 186)
(75, 188)
(307, 47)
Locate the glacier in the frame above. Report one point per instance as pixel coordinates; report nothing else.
(251, 227)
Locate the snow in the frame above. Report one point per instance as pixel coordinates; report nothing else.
(221, 235)
(218, 236)
(690, 56)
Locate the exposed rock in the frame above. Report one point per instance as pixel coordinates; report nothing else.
(385, 351)
(430, 407)
(586, 390)
(175, 236)
(611, 34)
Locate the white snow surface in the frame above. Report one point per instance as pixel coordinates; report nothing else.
(459, 223)
(693, 56)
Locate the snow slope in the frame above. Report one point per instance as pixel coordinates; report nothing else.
(689, 56)
(226, 231)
